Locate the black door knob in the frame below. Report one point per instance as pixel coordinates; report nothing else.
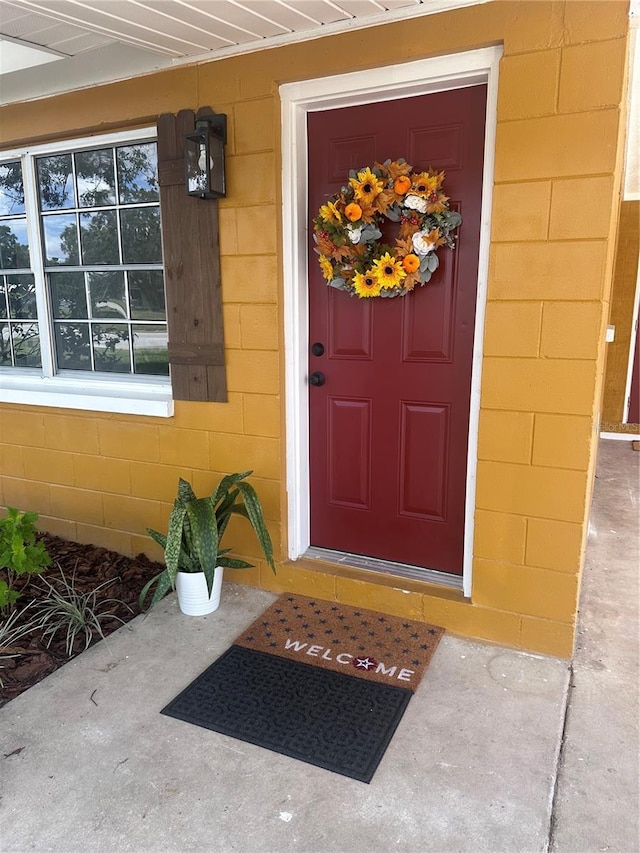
(317, 349)
(317, 378)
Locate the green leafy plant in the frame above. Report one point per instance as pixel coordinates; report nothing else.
(12, 630)
(77, 613)
(196, 529)
(20, 554)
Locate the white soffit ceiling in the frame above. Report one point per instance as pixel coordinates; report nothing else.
(104, 40)
(16, 55)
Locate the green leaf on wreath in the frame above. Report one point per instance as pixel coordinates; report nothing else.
(432, 262)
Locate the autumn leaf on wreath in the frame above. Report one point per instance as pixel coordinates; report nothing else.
(369, 213)
(410, 281)
(385, 200)
(437, 203)
(339, 252)
(325, 246)
(408, 228)
(396, 169)
(404, 247)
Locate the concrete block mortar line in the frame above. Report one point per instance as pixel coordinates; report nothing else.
(553, 794)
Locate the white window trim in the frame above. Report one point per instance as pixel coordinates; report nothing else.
(412, 78)
(71, 390)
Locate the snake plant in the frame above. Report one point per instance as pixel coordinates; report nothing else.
(196, 528)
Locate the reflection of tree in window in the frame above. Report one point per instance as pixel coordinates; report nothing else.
(11, 189)
(141, 235)
(95, 176)
(72, 346)
(99, 237)
(68, 295)
(146, 295)
(21, 292)
(55, 182)
(111, 348)
(13, 253)
(26, 345)
(108, 298)
(138, 173)
(99, 208)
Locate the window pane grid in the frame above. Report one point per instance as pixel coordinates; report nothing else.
(19, 329)
(86, 232)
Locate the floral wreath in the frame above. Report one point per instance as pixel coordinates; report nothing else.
(347, 230)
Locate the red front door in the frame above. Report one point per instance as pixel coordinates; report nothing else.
(389, 427)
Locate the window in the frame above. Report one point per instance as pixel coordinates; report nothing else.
(82, 297)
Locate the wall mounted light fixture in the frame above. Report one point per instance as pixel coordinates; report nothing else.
(204, 157)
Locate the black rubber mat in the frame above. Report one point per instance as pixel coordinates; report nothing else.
(325, 718)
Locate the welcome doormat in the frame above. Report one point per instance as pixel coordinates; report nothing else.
(351, 640)
(335, 704)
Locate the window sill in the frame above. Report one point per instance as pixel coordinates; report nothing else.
(125, 398)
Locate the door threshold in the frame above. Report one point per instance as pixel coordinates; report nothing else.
(359, 561)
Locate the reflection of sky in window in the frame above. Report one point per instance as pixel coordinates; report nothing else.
(53, 227)
(90, 187)
(11, 189)
(137, 173)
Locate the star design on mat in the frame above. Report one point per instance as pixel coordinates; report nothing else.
(433, 632)
(365, 663)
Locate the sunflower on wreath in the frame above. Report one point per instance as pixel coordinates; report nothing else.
(347, 230)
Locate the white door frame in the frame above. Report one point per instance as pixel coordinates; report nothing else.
(420, 77)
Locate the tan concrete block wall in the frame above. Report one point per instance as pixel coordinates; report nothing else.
(557, 176)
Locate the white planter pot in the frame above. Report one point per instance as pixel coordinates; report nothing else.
(193, 595)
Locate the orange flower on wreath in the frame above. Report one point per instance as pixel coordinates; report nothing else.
(402, 185)
(353, 212)
(411, 263)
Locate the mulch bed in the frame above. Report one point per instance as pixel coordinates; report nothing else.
(90, 566)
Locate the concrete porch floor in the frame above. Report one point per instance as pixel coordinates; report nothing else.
(498, 750)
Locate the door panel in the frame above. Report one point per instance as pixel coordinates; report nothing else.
(389, 427)
(350, 453)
